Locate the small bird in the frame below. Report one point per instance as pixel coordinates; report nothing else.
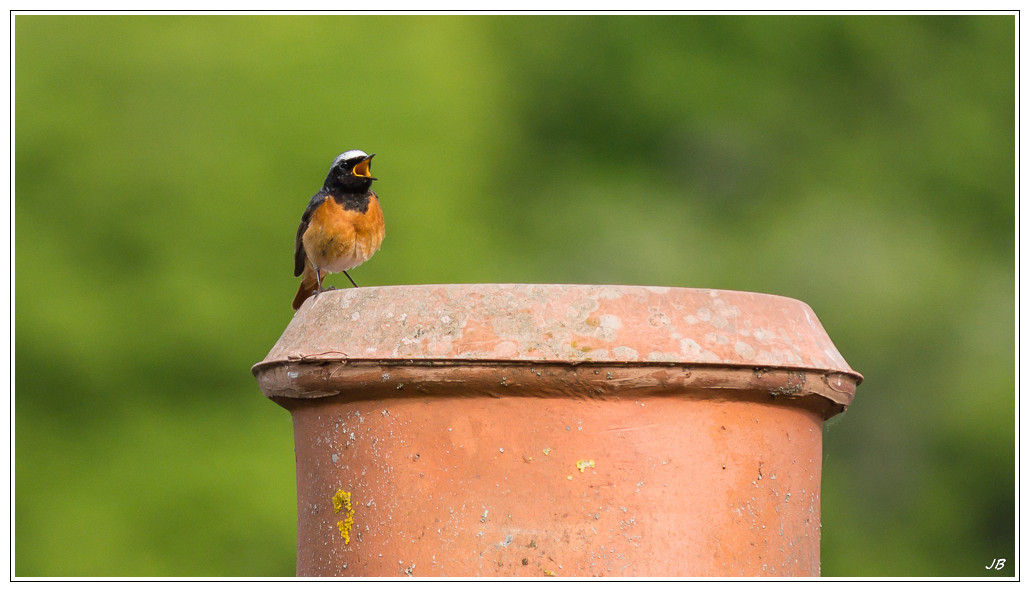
(342, 226)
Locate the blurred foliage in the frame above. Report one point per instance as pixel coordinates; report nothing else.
(862, 164)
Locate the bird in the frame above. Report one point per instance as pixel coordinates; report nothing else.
(342, 226)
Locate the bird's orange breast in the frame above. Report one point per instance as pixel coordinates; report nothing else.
(338, 239)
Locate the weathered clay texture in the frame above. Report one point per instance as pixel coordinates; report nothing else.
(504, 430)
(561, 323)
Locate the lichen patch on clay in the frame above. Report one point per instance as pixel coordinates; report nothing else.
(341, 502)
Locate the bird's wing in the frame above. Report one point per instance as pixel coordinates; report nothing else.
(298, 250)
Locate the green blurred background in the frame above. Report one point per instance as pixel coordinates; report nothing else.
(862, 164)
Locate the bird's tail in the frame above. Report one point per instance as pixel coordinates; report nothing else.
(308, 284)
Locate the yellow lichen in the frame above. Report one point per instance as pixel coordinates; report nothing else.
(547, 451)
(549, 572)
(583, 464)
(344, 526)
(341, 501)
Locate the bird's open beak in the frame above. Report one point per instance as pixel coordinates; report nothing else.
(364, 168)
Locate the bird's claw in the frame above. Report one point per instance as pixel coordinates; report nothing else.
(317, 291)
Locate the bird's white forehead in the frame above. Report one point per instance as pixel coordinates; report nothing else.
(350, 154)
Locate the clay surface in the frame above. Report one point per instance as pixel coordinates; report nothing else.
(669, 486)
(522, 430)
(560, 323)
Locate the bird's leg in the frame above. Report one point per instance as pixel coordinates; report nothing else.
(318, 280)
(320, 287)
(350, 278)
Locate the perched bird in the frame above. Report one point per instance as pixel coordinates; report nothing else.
(342, 226)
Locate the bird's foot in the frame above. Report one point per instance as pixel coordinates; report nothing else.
(322, 290)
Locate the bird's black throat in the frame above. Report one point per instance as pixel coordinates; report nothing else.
(357, 202)
(353, 193)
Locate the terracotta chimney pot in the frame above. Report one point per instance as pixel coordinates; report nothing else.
(557, 430)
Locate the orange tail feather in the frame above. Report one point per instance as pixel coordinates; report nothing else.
(308, 285)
